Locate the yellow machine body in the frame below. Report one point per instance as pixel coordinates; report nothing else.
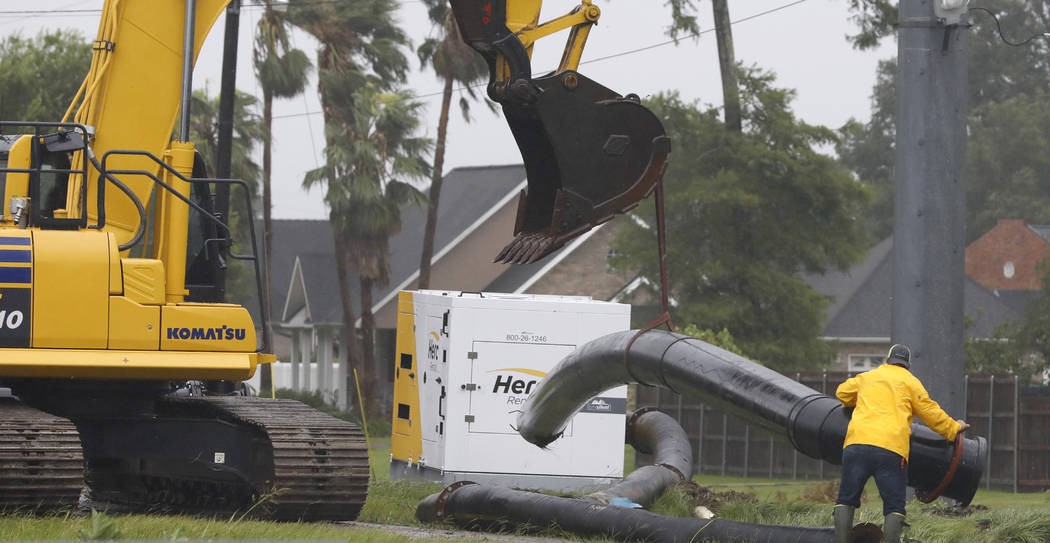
(72, 302)
(406, 441)
(71, 306)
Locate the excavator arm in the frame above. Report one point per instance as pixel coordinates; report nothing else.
(589, 152)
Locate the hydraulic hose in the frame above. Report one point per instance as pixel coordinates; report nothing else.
(652, 432)
(813, 423)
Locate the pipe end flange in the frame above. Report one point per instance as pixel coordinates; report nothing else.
(439, 504)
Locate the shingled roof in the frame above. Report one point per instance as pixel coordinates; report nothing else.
(467, 195)
(862, 299)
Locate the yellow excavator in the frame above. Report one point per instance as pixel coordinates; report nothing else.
(120, 365)
(589, 152)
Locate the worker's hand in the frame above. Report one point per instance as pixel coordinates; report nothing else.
(963, 425)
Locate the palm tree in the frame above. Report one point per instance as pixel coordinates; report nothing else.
(359, 56)
(282, 73)
(455, 62)
(368, 189)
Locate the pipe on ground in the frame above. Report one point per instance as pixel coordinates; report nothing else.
(485, 507)
(813, 423)
(494, 508)
(652, 432)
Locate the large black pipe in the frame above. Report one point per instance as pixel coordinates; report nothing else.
(652, 432)
(814, 423)
(486, 507)
(649, 431)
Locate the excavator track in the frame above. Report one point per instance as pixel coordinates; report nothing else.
(298, 464)
(41, 462)
(321, 469)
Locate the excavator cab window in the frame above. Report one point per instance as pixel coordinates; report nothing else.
(49, 181)
(54, 185)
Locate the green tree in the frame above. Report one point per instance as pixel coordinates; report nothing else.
(868, 150)
(721, 339)
(366, 199)
(1008, 166)
(1032, 335)
(360, 47)
(1001, 353)
(455, 62)
(1007, 118)
(875, 20)
(248, 132)
(282, 72)
(40, 76)
(746, 215)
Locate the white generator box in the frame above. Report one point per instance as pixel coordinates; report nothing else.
(466, 362)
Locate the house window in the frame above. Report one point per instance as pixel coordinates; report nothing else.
(863, 362)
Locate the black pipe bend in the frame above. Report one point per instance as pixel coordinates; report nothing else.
(652, 432)
(814, 423)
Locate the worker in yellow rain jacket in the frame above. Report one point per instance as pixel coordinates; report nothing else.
(879, 436)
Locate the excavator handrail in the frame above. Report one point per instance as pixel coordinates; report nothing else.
(85, 150)
(254, 256)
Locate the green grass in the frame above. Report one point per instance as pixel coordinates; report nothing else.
(995, 516)
(160, 528)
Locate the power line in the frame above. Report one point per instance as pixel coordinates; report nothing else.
(439, 93)
(599, 59)
(97, 11)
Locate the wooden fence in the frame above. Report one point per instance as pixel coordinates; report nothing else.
(998, 407)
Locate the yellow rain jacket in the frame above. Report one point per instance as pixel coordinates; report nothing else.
(886, 399)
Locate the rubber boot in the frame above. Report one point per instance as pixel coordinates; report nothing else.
(843, 522)
(892, 527)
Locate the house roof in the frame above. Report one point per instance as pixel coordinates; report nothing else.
(520, 277)
(1042, 230)
(862, 299)
(467, 195)
(1017, 299)
(306, 239)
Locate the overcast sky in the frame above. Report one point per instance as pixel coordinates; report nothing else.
(802, 41)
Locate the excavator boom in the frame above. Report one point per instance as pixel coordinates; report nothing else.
(589, 152)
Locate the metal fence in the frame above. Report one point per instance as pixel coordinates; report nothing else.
(1013, 417)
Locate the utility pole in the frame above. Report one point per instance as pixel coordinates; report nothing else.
(929, 204)
(727, 64)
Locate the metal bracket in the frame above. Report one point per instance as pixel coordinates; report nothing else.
(473, 355)
(468, 418)
(468, 386)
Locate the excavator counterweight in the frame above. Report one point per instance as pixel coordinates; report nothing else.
(589, 152)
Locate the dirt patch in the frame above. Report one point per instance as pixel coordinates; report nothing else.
(702, 495)
(952, 511)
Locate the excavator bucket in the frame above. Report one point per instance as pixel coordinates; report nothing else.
(589, 152)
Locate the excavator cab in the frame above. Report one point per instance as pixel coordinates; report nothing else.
(589, 152)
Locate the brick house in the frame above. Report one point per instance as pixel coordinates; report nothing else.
(858, 319)
(1008, 256)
